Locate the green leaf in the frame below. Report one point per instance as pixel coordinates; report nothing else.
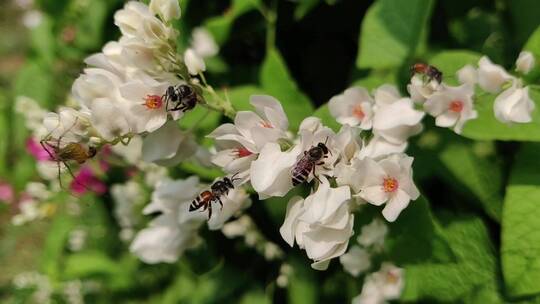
(276, 80)
(302, 285)
(220, 26)
(520, 225)
(90, 26)
(43, 40)
(239, 96)
(449, 62)
(391, 32)
(304, 7)
(53, 250)
(533, 45)
(487, 127)
(476, 174)
(414, 237)
(34, 80)
(255, 297)
(87, 264)
(323, 112)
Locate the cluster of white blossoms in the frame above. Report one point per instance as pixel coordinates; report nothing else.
(123, 97)
(453, 106)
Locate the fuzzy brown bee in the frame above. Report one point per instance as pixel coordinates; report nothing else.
(428, 70)
(182, 98)
(307, 163)
(70, 152)
(207, 197)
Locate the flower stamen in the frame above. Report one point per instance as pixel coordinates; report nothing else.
(390, 184)
(358, 112)
(153, 102)
(242, 152)
(266, 124)
(456, 106)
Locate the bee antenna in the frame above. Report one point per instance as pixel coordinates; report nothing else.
(233, 177)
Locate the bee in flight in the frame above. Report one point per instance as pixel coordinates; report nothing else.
(428, 70)
(311, 158)
(182, 98)
(70, 152)
(207, 197)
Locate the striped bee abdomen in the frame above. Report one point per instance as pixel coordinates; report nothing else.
(301, 171)
(204, 198)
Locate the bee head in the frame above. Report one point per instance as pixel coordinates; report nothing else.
(92, 151)
(323, 147)
(228, 182)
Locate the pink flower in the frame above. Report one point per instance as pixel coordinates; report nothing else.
(6, 192)
(86, 180)
(36, 150)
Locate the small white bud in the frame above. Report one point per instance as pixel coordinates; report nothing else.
(166, 9)
(194, 63)
(525, 62)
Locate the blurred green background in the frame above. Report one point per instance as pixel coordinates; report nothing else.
(320, 49)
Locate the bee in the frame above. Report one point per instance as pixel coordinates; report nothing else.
(428, 70)
(182, 97)
(70, 152)
(311, 158)
(217, 189)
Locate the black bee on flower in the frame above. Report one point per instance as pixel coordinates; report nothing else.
(305, 165)
(217, 190)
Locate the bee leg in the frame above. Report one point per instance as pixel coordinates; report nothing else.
(315, 175)
(209, 210)
(220, 202)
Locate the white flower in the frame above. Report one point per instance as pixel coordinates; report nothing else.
(136, 21)
(525, 62)
(33, 115)
(166, 9)
(356, 260)
(175, 230)
(233, 203)
(147, 104)
(194, 62)
(395, 118)
(386, 95)
(239, 144)
(514, 105)
(68, 124)
(387, 181)
(132, 152)
(378, 147)
(353, 107)
(126, 198)
(467, 75)
(271, 173)
(373, 234)
(108, 120)
(168, 145)
(381, 286)
(452, 106)
(203, 43)
(420, 90)
(348, 142)
(491, 76)
(321, 224)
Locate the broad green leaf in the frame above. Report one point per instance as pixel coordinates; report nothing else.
(474, 270)
(449, 62)
(476, 174)
(533, 45)
(376, 78)
(220, 26)
(487, 127)
(327, 119)
(391, 32)
(276, 80)
(520, 225)
(201, 120)
(414, 237)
